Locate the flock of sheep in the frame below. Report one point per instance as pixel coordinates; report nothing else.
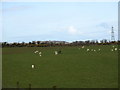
(40, 53)
(83, 47)
(113, 49)
(89, 49)
(59, 52)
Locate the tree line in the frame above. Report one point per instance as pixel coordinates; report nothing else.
(57, 43)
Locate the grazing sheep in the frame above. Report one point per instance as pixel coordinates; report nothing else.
(111, 49)
(99, 49)
(36, 51)
(40, 52)
(33, 66)
(83, 46)
(115, 49)
(56, 52)
(95, 50)
(88, 49)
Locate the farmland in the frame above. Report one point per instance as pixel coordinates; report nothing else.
(74, 68)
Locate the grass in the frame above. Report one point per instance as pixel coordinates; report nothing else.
(74, 68)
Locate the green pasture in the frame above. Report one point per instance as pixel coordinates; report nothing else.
(74, 68)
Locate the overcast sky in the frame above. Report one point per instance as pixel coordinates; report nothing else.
(65, 21)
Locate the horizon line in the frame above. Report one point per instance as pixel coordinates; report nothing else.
(57, 40)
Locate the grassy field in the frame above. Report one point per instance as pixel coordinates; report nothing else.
(74, 68)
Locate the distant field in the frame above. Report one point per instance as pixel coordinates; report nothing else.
(74, 68)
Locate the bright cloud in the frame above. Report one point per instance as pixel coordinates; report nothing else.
(72, 30)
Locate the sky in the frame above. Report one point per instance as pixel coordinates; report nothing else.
(63, 21)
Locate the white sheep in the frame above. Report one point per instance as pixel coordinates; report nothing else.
(40, 52)
(95, 50)
(111, 49)
(33, 66)
(88, 49)
(83, 46)
(115, 49)
(56, 52)
(36, 51)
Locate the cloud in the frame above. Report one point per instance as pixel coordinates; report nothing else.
(107, 24)
(72, 30)
(103, 25)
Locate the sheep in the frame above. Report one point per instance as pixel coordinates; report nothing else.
(88, 49)
(36, 51)
(115, 49)
(33, 66)
(111, 49)
(83, 46)
(40, 52)
(94, 50)
(56, 52)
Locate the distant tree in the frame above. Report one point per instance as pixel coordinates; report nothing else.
(4, 44)
(23, 44)
(33, 42)
(47, 43)
(38, 42)
(87, 42)
(93, 42)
